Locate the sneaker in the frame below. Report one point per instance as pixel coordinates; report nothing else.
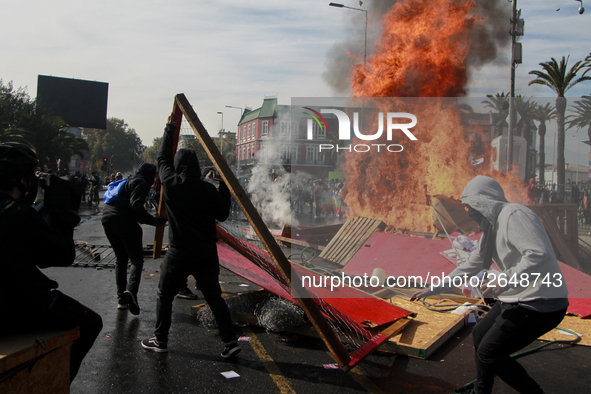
(122, 305)
(231, 350)
(134, 307)
(187, 294)
(154, 345)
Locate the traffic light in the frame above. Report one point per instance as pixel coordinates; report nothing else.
(104, 165)
(132, 157)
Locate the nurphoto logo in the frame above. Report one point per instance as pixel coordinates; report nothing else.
(345, 129)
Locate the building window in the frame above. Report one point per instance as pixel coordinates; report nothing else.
(248, 132)
(252, 152)
(265, 131)
(311, 153)
(318, 132)
(254, 134)
(284, 128)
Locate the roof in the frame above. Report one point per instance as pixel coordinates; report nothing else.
(266, 111)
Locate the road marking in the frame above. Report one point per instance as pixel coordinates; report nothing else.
(272, 368)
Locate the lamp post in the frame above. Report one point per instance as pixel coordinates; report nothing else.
(222, 135)
(237, 141)
(337, 5)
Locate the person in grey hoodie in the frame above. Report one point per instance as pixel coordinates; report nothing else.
(530, 291)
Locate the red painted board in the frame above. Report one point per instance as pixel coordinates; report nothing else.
(400, 255)
(579, 290)
(356, 305)
(241, 266)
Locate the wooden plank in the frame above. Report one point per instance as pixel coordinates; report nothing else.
(177, 115)
(580, 326)
(426, 332)
(336, 348)
(349, 239)
(290, 241)
(47, 374)
(367, 349)
(20, 348)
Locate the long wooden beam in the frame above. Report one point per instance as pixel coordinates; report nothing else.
(177, 115)
(334, 345)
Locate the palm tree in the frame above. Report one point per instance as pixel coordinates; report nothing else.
(543, 114)
(582, 115)
(556, 76)
(526, 110)
(499, 103)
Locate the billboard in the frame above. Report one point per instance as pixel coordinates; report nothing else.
(78, 102)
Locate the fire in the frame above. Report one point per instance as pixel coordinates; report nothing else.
(422, 52)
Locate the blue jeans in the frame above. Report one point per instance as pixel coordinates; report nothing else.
(504, 330)
(127, 242)
(204, 266)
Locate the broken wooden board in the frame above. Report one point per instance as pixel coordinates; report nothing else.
(427, 331)
(27, 364)
(351, 236)
(574, 323)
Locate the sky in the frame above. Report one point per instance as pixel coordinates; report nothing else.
(235, 53)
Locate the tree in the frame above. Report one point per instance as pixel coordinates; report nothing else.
(556, 76)
(543, 114)
(117, 143)
(500, 104)
(582, 115)
(151, 154)
(526, 109)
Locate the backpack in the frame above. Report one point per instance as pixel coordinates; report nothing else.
(113, 193)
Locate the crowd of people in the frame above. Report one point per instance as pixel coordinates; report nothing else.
(318, 197)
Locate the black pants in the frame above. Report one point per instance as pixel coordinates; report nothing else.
(504, 330)
(204, 266)
(55, 311)
(127, 242)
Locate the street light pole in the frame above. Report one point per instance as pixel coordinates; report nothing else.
(337, 5)
(222, 135)
(237, 142)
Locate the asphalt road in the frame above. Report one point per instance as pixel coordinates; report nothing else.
(117, 363)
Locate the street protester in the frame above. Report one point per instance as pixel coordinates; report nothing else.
(121, 221)
(29, 300)
(193, 205)
(530, 291)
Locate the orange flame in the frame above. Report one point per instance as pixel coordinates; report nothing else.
(421, 53)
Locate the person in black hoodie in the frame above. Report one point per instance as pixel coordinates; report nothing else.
(121, 222)
(193, 206)
(29, 300)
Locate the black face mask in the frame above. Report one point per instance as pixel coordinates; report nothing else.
(488, 239)
(477, 217)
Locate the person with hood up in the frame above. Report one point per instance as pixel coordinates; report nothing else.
(530, 291)
(121, 222)
(193, 205)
